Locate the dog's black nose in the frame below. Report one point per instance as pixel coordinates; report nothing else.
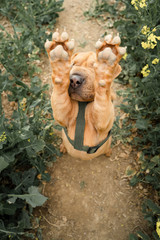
(76, 80)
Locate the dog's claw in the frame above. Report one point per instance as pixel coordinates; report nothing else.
(113, 41)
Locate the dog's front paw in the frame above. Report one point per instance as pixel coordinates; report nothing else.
(60, 48)
(109, 53)
(59, 52)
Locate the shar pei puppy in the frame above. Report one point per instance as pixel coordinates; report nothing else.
(82, 96)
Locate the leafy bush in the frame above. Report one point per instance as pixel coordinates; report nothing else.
(138, 22)
(30, 17)
(25, 148)
(27, 137)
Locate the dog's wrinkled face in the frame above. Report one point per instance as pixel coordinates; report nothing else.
(82, 76)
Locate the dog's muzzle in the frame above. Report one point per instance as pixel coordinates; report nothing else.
(76, 80)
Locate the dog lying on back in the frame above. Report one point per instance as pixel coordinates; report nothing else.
(82, 97)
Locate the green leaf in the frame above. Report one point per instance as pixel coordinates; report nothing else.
(8, 209)
(155, 235)
(133, 237)
(34, 198)
(143, 236)
(156, 159)
(23, 180)
(142, 124)
(3, 164)
(24, 223)
(130, 171)
(35, 103)
(134, 180)
(38, 145)
(32, 146)
(154, 207)
(9, 156)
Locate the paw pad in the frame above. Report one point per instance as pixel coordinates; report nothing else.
(107, 54)
(58, 80)
(102, 83)
(59, 53)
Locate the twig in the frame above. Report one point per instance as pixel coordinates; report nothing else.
(52, 224)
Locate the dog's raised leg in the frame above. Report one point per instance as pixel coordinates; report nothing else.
(59, 51)
(106, 70)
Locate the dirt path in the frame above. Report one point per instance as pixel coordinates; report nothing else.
(89, 200)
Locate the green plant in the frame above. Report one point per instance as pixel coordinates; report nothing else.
(30, 18)
(25, 148)
(27, 136)
(138, 22)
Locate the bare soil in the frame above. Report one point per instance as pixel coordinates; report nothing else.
(89, 200)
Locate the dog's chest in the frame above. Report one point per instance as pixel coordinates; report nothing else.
(82, 129)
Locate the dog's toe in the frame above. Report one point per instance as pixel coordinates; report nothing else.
(56, 36)
(108, 38)
(64, 36)
(116, 40)
(99, 44)
(70, 44)
(122, 50)
(47, 44)
(60, 38)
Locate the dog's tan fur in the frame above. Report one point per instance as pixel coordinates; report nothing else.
(99, 113)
